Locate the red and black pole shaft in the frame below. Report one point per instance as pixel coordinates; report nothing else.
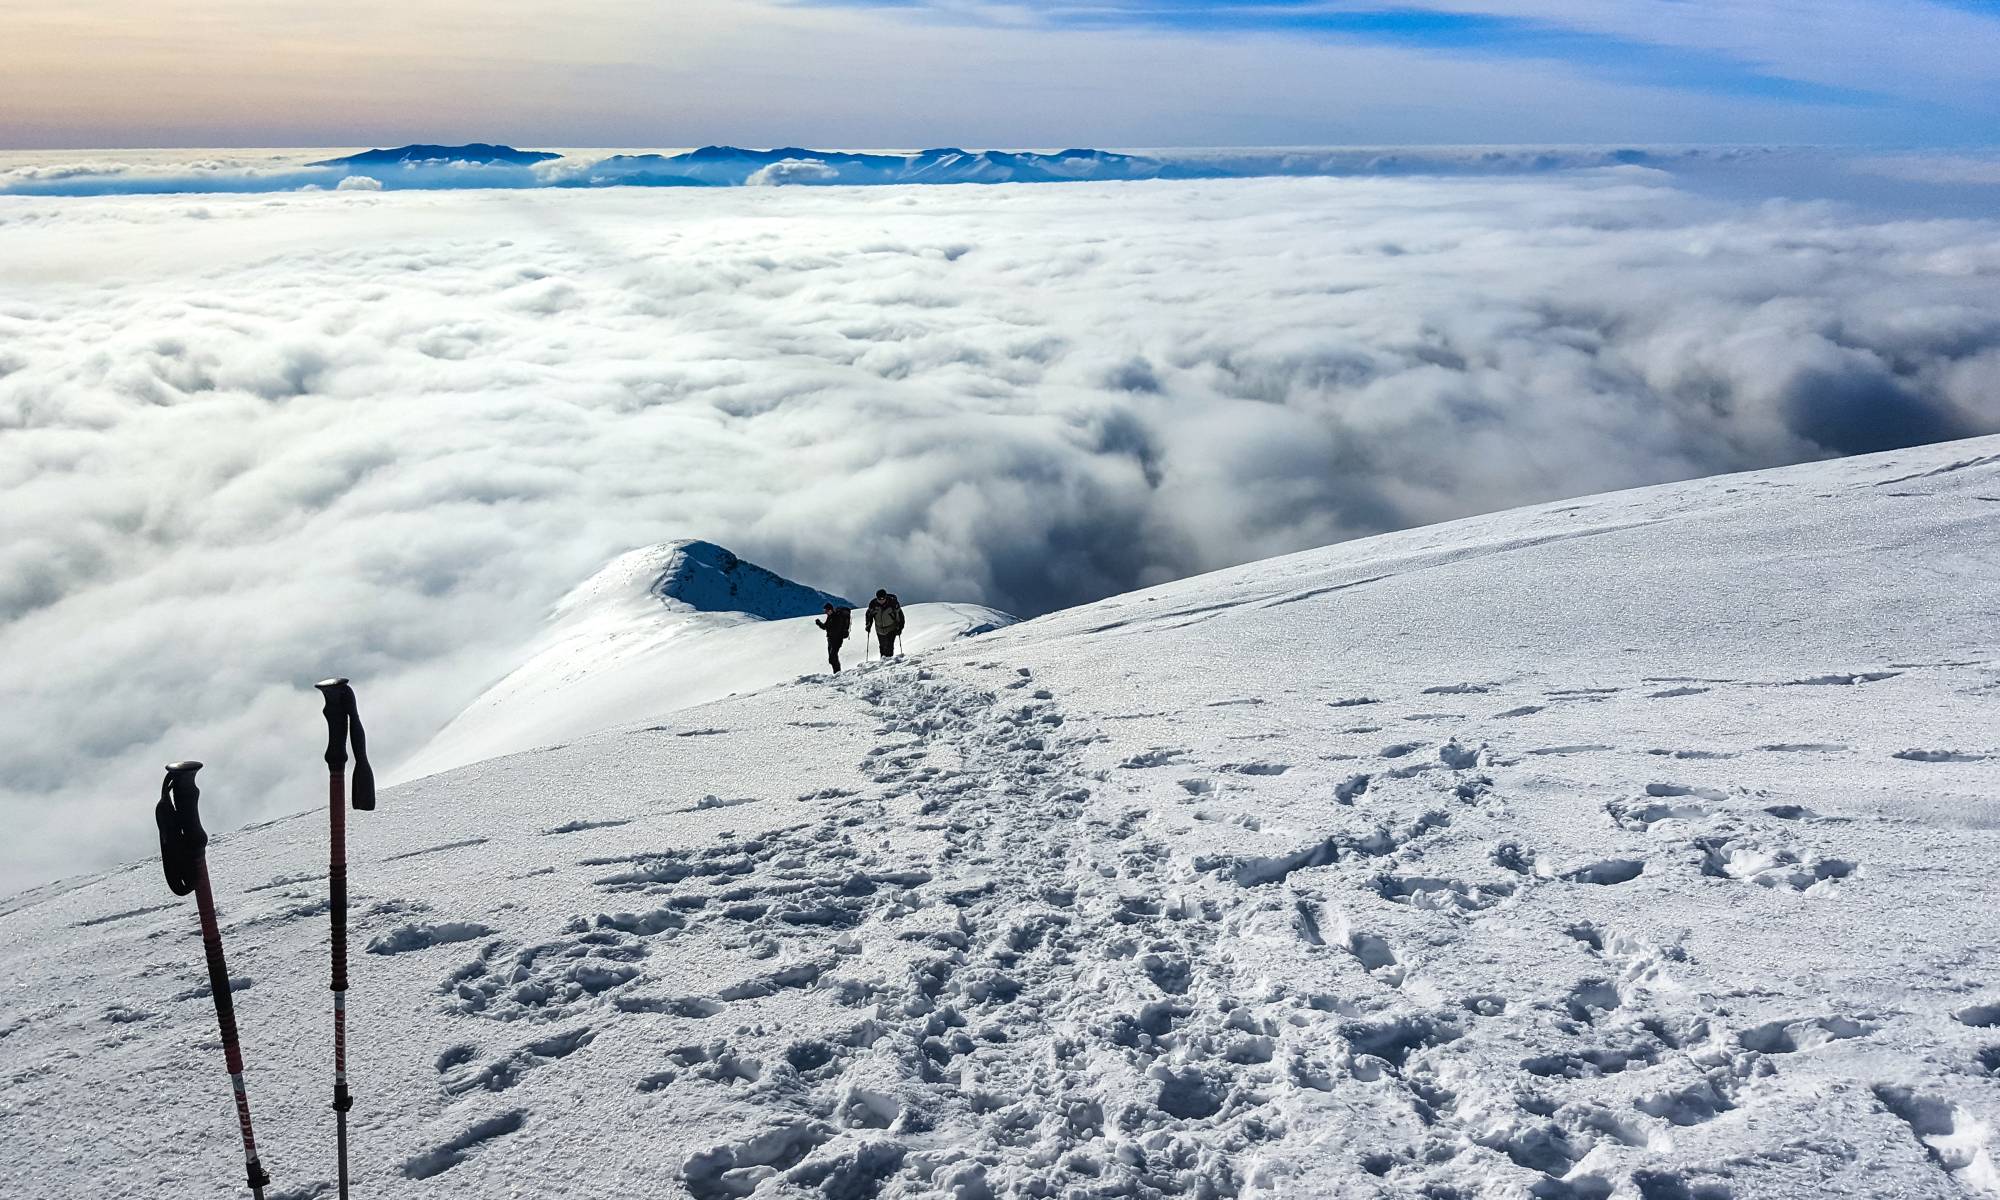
(183, 855)
(343, 724)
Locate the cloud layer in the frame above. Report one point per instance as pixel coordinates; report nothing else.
(251, 441)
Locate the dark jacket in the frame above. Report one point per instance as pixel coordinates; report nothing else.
(837, 623)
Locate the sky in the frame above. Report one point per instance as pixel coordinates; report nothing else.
(237, 73)
(250, 441)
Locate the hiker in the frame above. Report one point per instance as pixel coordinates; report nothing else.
(836, 624)
(885, 617)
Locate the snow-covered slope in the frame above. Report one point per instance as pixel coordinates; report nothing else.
(1639, 846)
(658, 630)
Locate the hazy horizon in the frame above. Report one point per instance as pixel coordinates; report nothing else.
(1032, 72)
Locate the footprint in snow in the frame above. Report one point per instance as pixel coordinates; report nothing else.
(506, 1071)
(424, 936)
(442, 1158)
(1376, 957)
(1642, 817)
(714, 801)
(1256, 768)
(1677, 789)
(580, 826)
(1952, 1136)
(237, 983)
(1939, 756)
(440, 848)
(1609, 871)
(1747, 859)
(1790, 1037)
(1459, 758)
(129, 913)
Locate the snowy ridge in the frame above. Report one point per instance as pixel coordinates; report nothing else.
(658, 630)
(1624, 847)
(697, 576)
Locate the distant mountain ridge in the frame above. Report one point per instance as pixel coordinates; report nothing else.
(734, 166)
(481, 153)
(427, 166)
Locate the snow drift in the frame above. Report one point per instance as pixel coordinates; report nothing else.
(1630, 847)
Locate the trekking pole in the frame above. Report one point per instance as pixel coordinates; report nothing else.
(343, 724)
(183, 855)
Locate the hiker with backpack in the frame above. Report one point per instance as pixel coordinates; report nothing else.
(885, 617)
(836, 623)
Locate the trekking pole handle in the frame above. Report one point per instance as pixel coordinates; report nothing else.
(343, 724)
(338, 699)
(178, 814)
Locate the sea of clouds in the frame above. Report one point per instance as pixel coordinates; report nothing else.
(249, 441)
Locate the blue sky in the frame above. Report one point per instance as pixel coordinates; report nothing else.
(1001, 72)
(1458, 34)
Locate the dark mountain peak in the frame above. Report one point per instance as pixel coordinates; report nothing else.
(483, 153)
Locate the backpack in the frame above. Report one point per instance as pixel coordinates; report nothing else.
(889, 621)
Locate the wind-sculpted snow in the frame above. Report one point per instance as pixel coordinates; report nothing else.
(250, 442)
(1017, 917)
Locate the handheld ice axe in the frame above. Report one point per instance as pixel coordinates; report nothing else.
(184, 857)
(343, 726)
